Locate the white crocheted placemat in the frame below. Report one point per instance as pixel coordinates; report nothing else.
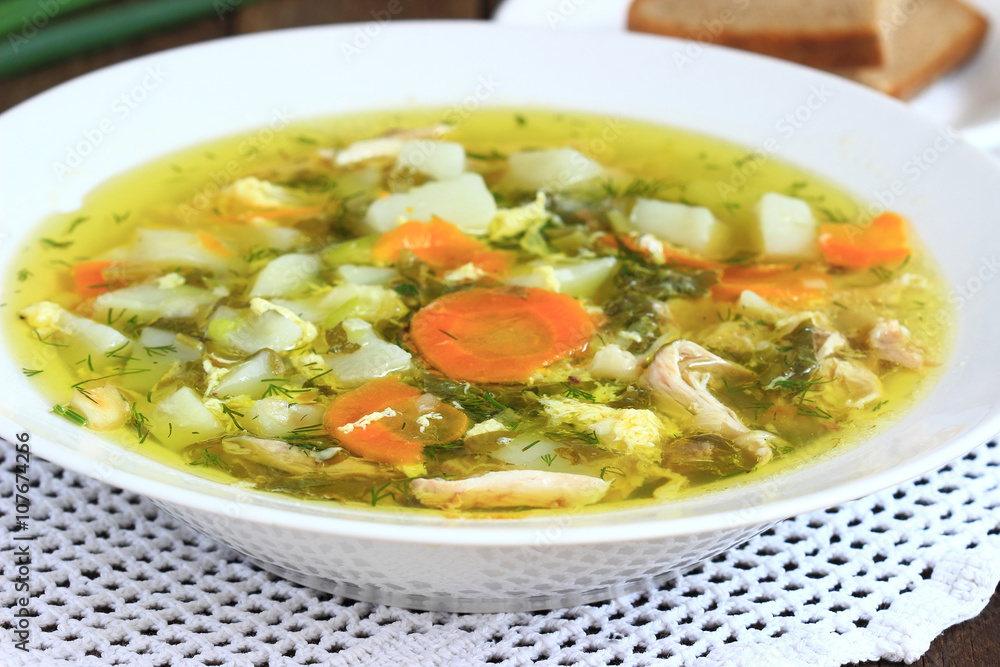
(116, 581)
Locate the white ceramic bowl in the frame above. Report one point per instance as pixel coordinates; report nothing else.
(131, 113)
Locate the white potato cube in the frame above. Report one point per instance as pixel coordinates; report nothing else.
(286, 275)
(182, 419)
(441, 160)
(787, 228)
(465, 202)
(689, 226)
(550, 170)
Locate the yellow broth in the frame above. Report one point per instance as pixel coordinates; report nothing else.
(182, 191)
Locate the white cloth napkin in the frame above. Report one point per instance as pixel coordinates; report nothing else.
(116, 581)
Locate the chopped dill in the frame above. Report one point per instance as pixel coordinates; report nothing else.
(50, 243)
(447, 334)
(160, 350)
(76, 223)
(549, 459)
(30, 372)
(611, 470)
(530, 445)
(232, 414)
(23, 275)
(70, 414)
(210, 459)
(572, 391)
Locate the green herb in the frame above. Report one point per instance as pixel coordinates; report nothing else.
(88, 361)
(548, 458)
(210, 459)
(879, 406)
(232, 414)
(23, 275)
(160, 350)
(573, 435)
(30, 372)
(70, 414)
(113, 375)
(520, 120)
(316, 377)
(447, 334)
(377, 495)
(50, 243)
(611, 470)
(527, 447)
(120, 217)
(139, 420)
(113, 354)
(76, 223)
(45, 340)
(256, 253)
(572, 391)
(277, 390)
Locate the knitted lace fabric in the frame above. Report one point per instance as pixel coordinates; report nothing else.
(117, 581)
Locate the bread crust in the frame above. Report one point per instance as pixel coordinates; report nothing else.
(824, 48)
(907, 80)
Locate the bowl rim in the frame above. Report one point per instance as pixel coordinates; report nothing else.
(517, 532)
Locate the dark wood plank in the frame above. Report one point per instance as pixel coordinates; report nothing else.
(270, 14)
(19, 88)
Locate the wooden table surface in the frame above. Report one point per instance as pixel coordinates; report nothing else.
(975, 643)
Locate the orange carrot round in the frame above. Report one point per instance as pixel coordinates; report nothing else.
(883, 241)
(389, 421)
(501, 334)
(441, 244)
(88, 278)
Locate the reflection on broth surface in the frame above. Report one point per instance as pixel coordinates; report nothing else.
(501, 316)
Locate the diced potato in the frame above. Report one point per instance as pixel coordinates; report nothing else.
(788, 230)
(551, 170)
(375, 359)
(251, 332)
(172, 248)
(534, 451)
(465, 202)
(181, 419)
(156, 354)
(580, 279)
(614, 363)
(690, 226)
(152, 302)
(441, 160)
(272, 417)
(287, 275)
(246, 378)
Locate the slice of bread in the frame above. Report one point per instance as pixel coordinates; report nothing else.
(835, 33)
(933, 38)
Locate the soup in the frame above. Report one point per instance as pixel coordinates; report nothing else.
(519, 311)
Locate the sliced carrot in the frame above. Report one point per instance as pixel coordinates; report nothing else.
(213, 244)
(89, 279)
(784, 283)
(501, 334)
(441, 244)
(883, 241)
(671, 254)
(381, 421)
